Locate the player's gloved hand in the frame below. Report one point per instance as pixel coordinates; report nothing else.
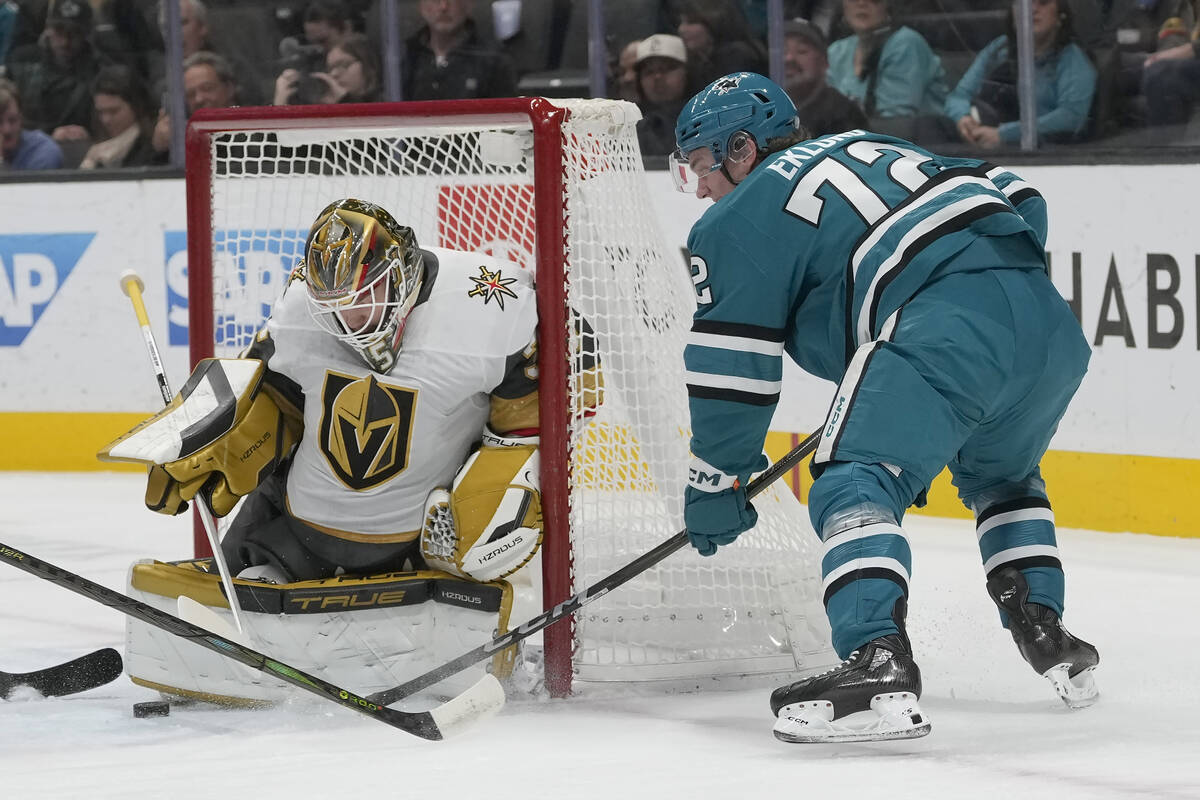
(715, 519)
(715, 507)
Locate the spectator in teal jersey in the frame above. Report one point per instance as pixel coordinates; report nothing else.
(890, 71)
(984, 108)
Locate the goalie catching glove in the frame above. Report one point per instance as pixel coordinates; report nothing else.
(490, 522)
(220, 437)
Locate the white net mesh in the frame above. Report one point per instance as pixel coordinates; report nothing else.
(468, 183)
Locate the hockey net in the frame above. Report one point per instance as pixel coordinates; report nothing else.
(557, 187)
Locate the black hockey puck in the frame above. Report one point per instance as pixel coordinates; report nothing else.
(151, 708)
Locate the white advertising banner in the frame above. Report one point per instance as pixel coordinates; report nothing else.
(1122, 251)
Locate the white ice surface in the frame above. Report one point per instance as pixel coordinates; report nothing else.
(997, 729)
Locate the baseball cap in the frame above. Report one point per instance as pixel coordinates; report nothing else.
(807, 31)
(661, 45)
(72, 12)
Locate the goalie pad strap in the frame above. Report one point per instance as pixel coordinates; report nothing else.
(198, 580)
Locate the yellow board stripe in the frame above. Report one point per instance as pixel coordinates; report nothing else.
(1097, 491)
(63, 441)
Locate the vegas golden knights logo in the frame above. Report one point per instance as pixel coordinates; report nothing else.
(366, 428)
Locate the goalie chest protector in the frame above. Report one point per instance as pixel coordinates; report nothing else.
(374, 445)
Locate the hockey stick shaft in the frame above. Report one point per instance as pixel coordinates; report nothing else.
(83, 673)
(596, 590)
(131, 285)
(424, 724)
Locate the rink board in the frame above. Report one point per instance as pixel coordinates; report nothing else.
(74, 375)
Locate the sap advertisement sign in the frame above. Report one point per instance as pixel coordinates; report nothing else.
(1122, 250)
(258, 260)
(33, 267)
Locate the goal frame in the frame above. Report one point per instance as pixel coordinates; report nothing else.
(547, 120)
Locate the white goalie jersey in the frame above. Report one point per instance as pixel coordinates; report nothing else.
(374, 445)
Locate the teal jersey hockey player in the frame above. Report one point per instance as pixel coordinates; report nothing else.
(917, 283)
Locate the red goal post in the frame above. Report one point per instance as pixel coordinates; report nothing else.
(557, 187)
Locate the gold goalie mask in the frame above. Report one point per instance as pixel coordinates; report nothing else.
(363, 272)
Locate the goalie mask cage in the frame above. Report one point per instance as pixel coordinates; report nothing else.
(558, 188)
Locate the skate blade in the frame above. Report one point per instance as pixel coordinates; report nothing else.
(1077, 692)
(892, 716)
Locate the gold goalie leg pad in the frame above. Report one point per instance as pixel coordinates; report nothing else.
(370, 633)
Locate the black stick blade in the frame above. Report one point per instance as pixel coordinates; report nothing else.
(86, 672)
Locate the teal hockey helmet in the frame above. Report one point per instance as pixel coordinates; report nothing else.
(740, 102)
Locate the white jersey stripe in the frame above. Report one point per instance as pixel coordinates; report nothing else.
(1013, 186)
(890, 564)
(889, 326)
(1020, 515)
(743, 344)
(886, 225)
(1017, 553)
(940, 217)
(732, 382)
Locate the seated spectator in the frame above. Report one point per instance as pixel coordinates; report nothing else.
(208, 82)
(194, 37)
(20, 148)
(1171, 86)
(56, 88)
(822, 109)
(891, 72)
(125, 115)
(352, 72)
(718, 41)
(984, 107)
(662, 84)
(446, 59)
(327, 23)
(624, 77)
(356, 69)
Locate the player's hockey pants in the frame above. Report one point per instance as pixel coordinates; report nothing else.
(976, 375)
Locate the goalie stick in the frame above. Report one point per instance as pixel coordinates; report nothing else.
(601, 587)
(132, 286)
(86, 672)
(480, 700)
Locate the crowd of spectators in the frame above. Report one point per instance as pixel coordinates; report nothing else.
(84, 83)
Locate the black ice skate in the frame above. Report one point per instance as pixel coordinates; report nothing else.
(1067, 661)
(871, 696)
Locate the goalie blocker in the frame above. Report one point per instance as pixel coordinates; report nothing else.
(220, 436)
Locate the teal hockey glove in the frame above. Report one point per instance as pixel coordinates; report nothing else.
(715, 509)
(716, 518)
